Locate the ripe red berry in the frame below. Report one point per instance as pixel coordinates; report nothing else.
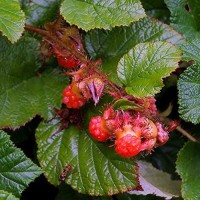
(72, 98)
(128, 141)
(97, 129)
(69, 63)
(128, 145)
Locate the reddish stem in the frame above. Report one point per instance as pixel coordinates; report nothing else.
(83, 58)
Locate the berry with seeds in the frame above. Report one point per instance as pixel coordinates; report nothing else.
(128, 142)
(98, 129)
(72, 97)
(128, 146)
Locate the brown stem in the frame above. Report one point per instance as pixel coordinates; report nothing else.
(37, 30)
(186, 134)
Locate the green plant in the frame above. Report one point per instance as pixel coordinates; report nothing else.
(103, 91)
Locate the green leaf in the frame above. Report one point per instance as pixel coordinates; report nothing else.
(188, 165)
(16, 170)
(141, 70)
(115, 43)
(110, 46)
(191, 50)
(95, 168)
(7, 196)
(124, 104)
(40, 12)
(182, 20)
(87, 14)
(154, 181)
(189, 91)
(12, 19)
(195, 10)
(23, 94)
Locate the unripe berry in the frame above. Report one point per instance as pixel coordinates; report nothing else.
(98, 129)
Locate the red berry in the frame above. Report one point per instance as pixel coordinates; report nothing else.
(97, 129)
(72, 98)
(128, 145)
(69, 63)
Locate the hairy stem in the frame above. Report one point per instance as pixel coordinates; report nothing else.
(82, 57)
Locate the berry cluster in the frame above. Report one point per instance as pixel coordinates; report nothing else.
(134, 128)
(131, 131)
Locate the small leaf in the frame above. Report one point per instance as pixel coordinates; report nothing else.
(188, 93)
(40, 12)
(23, 94)
(16, 170)
(95, 168)
(154, 181)
(12, 19)
(7, 196)
(141, 70)
(188, 165)
(102, 13)
(124, 104)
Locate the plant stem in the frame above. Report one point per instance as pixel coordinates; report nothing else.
(82, 57)
(186, 134)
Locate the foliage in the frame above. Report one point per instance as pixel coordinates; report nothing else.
(117, 57)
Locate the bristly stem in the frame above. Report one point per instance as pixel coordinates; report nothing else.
(82, 57)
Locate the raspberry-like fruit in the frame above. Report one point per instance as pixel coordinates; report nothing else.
(98, 129)
(72, 98)
(69, 63)
(128, 145)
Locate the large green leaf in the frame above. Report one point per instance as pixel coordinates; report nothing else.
(40, 12)
(188, 164)
(110, 46)
(7, 196)
(16, 170)
(154, 181)
(22, 93)
(88, 14)
(115, 43)
(189, 91)
(95, 168)
(141, 70)
(182, 20)
(12, 19)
